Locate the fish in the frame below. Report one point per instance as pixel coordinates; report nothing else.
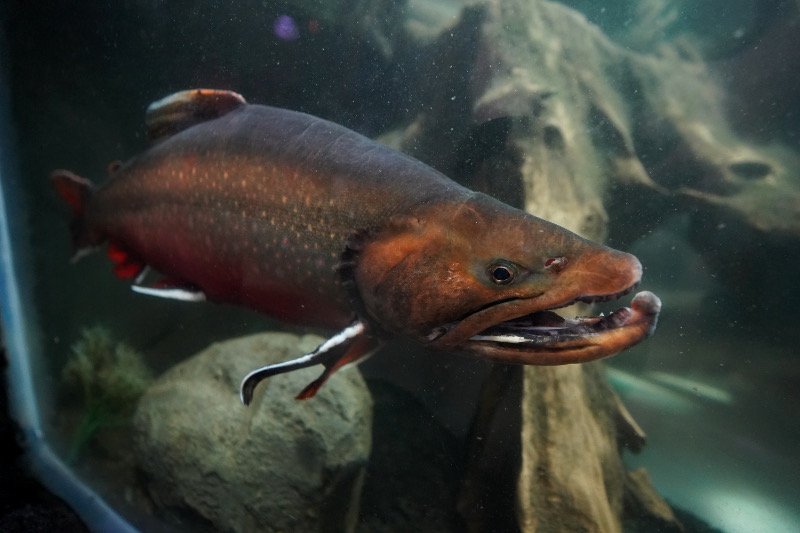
(314, 224)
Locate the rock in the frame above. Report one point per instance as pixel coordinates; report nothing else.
(278, 465)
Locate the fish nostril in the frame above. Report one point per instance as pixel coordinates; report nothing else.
(751, 170)
(555, 264)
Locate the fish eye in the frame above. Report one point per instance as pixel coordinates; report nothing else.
(502, 273)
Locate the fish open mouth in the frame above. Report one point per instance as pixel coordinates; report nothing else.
(548, 328)
(546, 338)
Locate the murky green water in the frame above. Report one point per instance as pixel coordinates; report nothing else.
(668, 128)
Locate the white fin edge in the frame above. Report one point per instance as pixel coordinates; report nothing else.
(183, 295)
(319, 356)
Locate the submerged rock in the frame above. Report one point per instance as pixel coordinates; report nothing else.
(278, 465)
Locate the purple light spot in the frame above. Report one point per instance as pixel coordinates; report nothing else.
(285, 28)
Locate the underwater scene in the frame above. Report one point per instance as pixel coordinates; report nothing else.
(393, 265)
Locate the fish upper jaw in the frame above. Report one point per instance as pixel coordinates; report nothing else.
(596, 274)
(525, 330)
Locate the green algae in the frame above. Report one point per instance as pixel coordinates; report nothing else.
(108, 377)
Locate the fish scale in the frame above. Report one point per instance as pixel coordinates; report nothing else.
(237, 189)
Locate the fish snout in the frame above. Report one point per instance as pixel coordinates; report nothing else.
(604, 274)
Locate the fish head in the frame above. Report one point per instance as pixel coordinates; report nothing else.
(481, 277)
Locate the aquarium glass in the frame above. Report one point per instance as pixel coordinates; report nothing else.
(668, 129)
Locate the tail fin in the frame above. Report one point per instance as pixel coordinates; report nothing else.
(76, 192)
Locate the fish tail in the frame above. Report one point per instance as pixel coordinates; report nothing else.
(76, 193)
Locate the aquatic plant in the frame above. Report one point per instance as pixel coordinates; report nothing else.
(109, 377)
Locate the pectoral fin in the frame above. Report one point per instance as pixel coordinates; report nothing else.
(167, 288)
(174, 293)
(349, 345)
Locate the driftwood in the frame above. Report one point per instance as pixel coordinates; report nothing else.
(550, 114)
(541, 109)
(529, 92)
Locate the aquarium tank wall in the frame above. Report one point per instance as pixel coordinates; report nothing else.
(160, 243)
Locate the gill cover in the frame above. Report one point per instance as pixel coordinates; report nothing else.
(414, 274)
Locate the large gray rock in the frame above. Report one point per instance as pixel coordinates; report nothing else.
(278, 465)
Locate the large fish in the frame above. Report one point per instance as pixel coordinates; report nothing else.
(312, 223)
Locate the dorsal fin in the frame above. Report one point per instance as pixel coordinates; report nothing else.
(184, 109)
